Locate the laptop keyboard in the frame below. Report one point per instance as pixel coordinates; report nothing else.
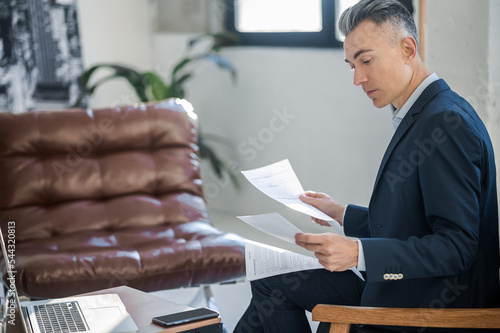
(59, 318)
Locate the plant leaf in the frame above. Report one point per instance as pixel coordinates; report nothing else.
(136, 79)
(219, 166)
(231, 174)
(159, 90)
(179, 66)
(101, 81)
(219, 39)
(182, 79)
(84, 79)
(176, 89)
(222, 62)
(193, 41)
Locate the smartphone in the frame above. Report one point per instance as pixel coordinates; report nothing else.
(184, 317)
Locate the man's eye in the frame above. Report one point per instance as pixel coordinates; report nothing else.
(352, 69)
(366, 62)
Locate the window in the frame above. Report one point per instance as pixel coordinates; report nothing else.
(310, 23)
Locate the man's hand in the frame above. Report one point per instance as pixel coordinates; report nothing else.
(324, 203)
(336, 253)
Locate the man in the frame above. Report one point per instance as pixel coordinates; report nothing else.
(429, 237)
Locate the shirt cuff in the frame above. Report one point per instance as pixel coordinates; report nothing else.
(343, 216)
(361, 257)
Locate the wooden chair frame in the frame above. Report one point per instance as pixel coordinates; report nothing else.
(342, 317)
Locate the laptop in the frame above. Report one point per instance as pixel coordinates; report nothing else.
(90, 314)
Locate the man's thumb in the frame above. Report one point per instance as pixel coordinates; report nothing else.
(307, 197)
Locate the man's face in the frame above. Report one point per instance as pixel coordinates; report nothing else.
(379, 67)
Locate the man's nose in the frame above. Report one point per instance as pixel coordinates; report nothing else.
(359, 77)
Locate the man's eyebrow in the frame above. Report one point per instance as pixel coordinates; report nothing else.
(357, 54)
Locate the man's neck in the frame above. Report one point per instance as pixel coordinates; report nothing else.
(419, 73)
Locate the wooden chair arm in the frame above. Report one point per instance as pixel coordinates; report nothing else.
(344, 316)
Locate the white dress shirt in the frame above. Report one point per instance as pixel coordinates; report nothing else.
(396, 120)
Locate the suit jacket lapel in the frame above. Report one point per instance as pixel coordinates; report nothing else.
(433, 89)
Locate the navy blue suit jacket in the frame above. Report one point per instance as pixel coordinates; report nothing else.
(430, 233)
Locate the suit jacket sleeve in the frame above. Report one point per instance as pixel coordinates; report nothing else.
(356, 221)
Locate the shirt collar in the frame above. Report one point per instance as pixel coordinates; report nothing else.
(398, 115)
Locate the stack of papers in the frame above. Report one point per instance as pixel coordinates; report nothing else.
(280, 182)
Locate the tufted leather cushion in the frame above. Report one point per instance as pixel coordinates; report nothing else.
(109, 197)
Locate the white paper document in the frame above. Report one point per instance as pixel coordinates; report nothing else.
(279, 181)
(263, 260)
(276, 225)
(273, 224)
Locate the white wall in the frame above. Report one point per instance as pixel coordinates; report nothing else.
(494, 79)
(464, 48)
(458, 44)
(115, 31)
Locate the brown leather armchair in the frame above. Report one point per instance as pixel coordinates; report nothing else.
(108, 197)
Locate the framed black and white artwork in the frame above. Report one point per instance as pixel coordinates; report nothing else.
(40, 54)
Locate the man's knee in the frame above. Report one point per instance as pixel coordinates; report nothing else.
(249, 324)
(267, 291)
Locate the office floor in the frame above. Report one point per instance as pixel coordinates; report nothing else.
(232, 299)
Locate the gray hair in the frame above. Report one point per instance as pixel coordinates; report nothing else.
(380, 12)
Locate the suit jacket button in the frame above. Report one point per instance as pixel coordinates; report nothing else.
(400, 276)
(386, 276)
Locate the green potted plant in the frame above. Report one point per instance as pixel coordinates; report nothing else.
(149, 86)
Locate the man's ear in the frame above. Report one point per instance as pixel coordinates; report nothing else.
(410, 50)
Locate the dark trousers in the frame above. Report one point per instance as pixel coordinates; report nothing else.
(279, 303)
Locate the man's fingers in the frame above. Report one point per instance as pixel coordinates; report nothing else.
(334, 252)
(307, 199)
(310, 196)
(316, 239)
(308, 246)
(320, 221)
(309, 238)
(311, 242)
